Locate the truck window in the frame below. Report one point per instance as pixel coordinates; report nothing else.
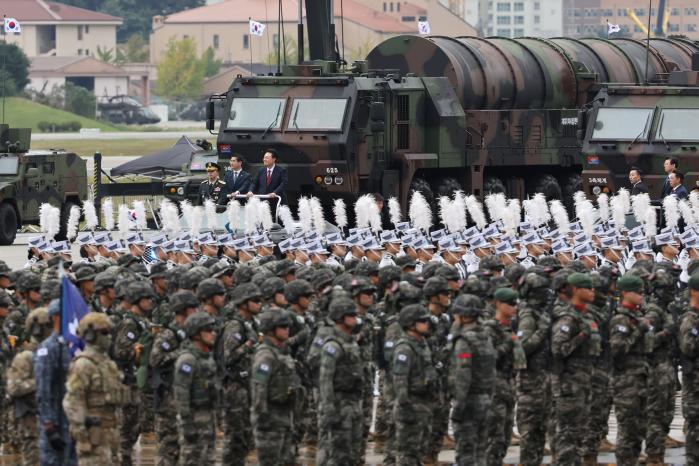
(678, 124)
(317, 114)
(8, 165)
(257, 113)
(625, 124)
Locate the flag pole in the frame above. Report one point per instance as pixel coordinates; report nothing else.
(607, 29)
(650, 5)
(250, 43)
(4, 69)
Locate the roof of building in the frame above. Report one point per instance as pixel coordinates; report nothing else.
(51, 12)
(236, 11)
(73, 66)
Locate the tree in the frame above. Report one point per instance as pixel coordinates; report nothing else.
(16, 64)
(79, 100)
(136, 49)
(104, 54)
(289, 51)
(9, 83)
(180, 74)
(209, 63)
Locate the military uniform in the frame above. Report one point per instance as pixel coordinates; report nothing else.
(214, 191)
(688, 339)
(21, 387)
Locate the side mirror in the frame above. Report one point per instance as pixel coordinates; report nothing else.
(210, 115)
(32, 172)
(377, 111)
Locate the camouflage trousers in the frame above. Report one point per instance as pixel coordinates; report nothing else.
(600, 401)
(570, 392)
(471, 430)
(166, 432)
(198, 438)
(502, 411)
(130, 428)
(340, 429)
(533, 412)
(237, 430)
(28, 430)
(413, 423)
(102, 449)
(630, 399)
(690, 410)
(390, 455)
(661, 405)
(306, 417)
(147, 421)
(440, 421)
(382, 412)
(275, 447)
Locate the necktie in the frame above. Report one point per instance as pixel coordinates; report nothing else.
(269, 176)
(235, 177)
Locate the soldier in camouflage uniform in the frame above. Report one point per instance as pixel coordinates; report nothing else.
(234, 350)
(415, 381)
(29, 290)
(688, 341)
(162, 365)
(275, 384)
(341, 380)
(471, 379)
(510, 356)
(575, 341)
(5, 358)
(534, 382)
(105, 296)
(196, 392)
(94, 394)
(21, 385)
(630, 341)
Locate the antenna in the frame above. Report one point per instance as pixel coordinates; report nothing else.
(650, 5)
(279, 37)
(4, 69)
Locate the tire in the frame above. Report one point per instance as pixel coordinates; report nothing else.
(492, 185)
(571, 184)
(65, 213)
(448, 186)
(548, 186)
(8, 224)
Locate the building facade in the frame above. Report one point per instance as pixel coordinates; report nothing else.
(516, 18)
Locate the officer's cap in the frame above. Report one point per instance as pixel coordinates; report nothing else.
(211, 166)
(580, 280)
(506, 295)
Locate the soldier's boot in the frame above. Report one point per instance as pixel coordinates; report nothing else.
(431, 460)
(515, 440)
(589, 460)
(642, 458)
(379, 443)
(655, 460)
(448, 443)
(605, 446)
(673, 443)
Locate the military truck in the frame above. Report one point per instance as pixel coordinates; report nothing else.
(186, 185)
(29, 178)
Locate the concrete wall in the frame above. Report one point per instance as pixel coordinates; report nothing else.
(108, 86)
(37, 83)
(68, 44)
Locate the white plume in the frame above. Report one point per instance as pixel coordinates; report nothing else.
(305, 214)
(603, 207)
(318, 215)
(187, 212)
(123, 220)
(625, 196)
(452, 215)
(210, 211)
(266, 216)
(44, 212)
(420, 212)
(475, 210)
(287, 219)
(618, 213)
(694, 202)
(542, 208)
(53, 225)
(169, 216)
(579, 197)
(686, 211)
(512, 216)
(560, 216)
(252, 214)
(496, 204)
(361, 210)
(197, 220)
(536, 209)
(139, 208)
(650, 225)
(460, 203)
(73, 222)
(90, 213)
(340, 213)
(394, 212)
(671, 211)
(444, 205)
(641, 204)
(586, 215)
(233, 213)
(108, 214)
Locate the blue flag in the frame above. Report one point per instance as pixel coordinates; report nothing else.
(73, 308)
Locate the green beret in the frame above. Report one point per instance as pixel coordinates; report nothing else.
(580, 280)
(506, 295)
(694, 282)
(632, 283)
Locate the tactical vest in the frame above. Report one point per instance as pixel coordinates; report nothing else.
(106, 392)
(423, 380)
(204, 389)
(349, 367)
(539, 359)
(637, 355)
(240, 372)
(483, 360)
(689, 364)
(591, 348)
(283, 382)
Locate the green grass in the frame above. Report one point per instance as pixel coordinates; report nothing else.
(23, 113)
(108, 147)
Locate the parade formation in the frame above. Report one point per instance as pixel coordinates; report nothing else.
(468, 318)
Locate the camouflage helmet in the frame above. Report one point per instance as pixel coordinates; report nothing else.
(549, 263)
(50, 289)
(270, 320)
(5, 299)
(137, 291)
(475, 285)
(243, 274)
(366, 268)
(429, 269)
(104, 280)
(139, 268)
(362, 285)
(28, 281)
(693, 266)
(662, 277)
(38, 317)
(271, 287)
(192, 277)
(285, 267)
(435, 286)
(514, 272)
(84, 273)
(210, 287)
(197, 322)
(305, 273)
(293, 291)
(244, 292)
(121, 288)
(388, 275)
(490, 263)
(92, 322)
(340, 307)
(560, 279)
(411, 314)
(407, 294)
(261, 274)
(533, 286)
(449, 273)
(182, 300)
(322, 278)
(467, 305)
(157, 270)
(414, 278)
(577, 266)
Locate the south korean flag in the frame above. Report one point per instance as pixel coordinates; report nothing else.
(12, 25)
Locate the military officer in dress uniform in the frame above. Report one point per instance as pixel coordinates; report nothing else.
(212, 188)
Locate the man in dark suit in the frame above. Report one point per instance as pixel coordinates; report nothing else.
(637, 186)
(669, 166)
(238, 181)
(271, 179)
(676, 180)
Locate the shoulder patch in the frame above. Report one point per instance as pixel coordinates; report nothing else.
(238, 336)
(318, 341)
(694, 331)
(565, 328)
(402, 358)
(388, 344)
(130, 336)
(41, 352)
(330, 349)
(464, 356)
(264, 368)
(165, 345)
(186, 369)
(300, 320)
(622, 328)
(520, 333)
(450, 337)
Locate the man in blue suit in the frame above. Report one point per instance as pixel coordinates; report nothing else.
(271, 179)
(238, 181)
(676, 179)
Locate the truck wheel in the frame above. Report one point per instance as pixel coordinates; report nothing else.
(548, 186)
(65, 212)
(492, 185)
(8, 224)
(448, 186)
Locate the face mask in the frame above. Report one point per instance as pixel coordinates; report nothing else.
(103, 342)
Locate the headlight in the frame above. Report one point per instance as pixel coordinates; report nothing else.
(180, 191)
(338, 180)
(596, 190)
(328, 180)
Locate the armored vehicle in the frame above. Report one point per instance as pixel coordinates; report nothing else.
(186, 185)
(127, 110)
(29, 178)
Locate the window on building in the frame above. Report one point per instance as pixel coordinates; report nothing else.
(186, 36)
(673, 27)
(504, 33)
(519, 32)
(384, 7)
(80, 33)
(490, 18)
(621, 12)
(503, 6)
(80, 51)
(519, 19)
(639, 11)
(537, 6)
(675, 12)
(503, 20)
(691, 28)
(408, 19)
(87, 29)
(652, 11)
(397, 6)
(519, 6)
(690, 11)
(215, 41)
(490, 31)
(636, 28)
(537, 19)
(246, 41)
(391, 4)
